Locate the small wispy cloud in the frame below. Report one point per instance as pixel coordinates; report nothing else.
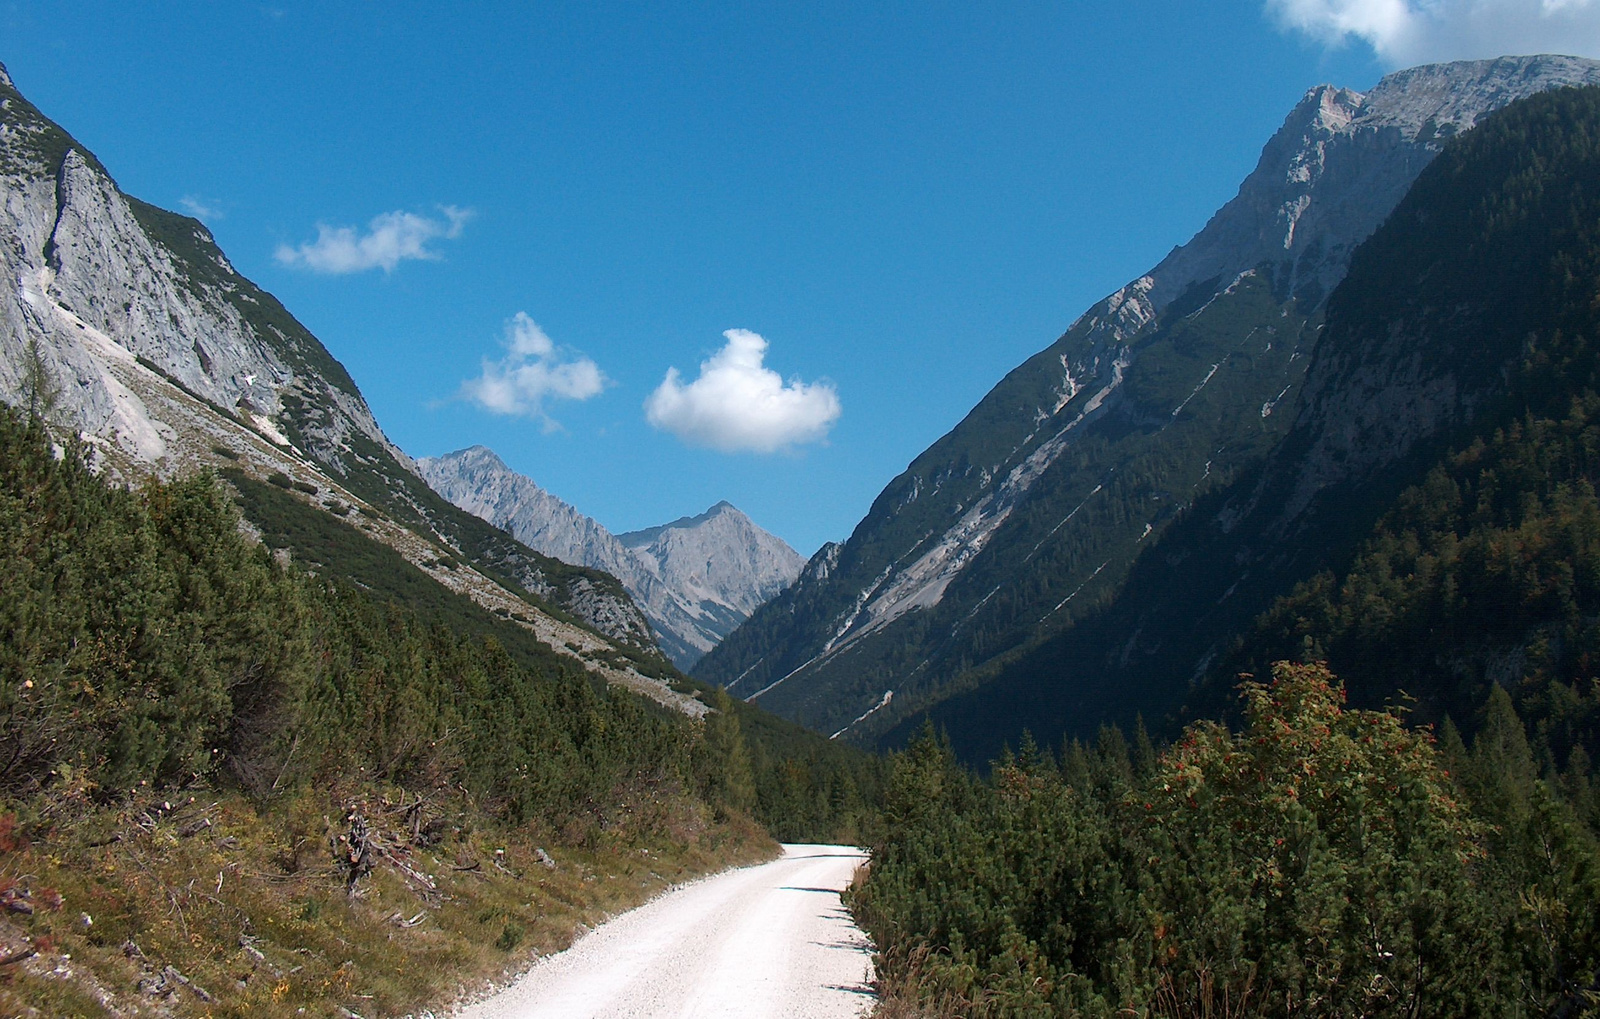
(1406, 32)
(534, 369)
(391, 238)
(739, 405)
(202, 208)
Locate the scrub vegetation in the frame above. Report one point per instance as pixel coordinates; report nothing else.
(1319, 861)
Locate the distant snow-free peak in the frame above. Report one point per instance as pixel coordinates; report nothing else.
(696, 578)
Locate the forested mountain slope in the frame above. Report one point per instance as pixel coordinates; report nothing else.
(1011, 530)
(1435, 499)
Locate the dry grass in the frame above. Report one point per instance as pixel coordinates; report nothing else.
(907, 989)
(1204, 998)
(165, 907)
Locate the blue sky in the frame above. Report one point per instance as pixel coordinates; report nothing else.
(510, 221)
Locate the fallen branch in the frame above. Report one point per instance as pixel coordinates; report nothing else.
(172, 974)
(499, 864)
(407, 871)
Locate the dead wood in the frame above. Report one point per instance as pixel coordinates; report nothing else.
(18, 956)
(171, 974)
(353, 850)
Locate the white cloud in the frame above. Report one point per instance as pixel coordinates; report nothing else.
(1406, 32)
(737, 405)
(201, 208)
(389, 239)
(533, 370)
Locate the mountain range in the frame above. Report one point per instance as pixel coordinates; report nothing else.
(695, 578)
(1021, 572)
(1093, 541)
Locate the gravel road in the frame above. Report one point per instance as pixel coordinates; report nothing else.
(764, 942)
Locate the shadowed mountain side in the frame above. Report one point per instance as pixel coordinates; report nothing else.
(1008, 532)
(1468, 317)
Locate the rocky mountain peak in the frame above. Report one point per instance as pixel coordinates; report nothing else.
(720, 555)
(1452, 97)
(5, 77)
(695, 578)
(478, 481)
(475, 461)
(644, 536)
(1332, 108)
(1339, 163)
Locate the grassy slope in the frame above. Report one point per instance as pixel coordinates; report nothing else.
(252, 909)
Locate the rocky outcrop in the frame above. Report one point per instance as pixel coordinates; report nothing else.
(86, 257)
(479, 482)
(1341, 162)
(695, 579)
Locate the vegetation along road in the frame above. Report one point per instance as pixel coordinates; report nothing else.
(765, 941)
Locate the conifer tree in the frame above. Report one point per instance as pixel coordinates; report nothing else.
(724, 758)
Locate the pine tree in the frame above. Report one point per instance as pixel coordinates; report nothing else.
(727, 778)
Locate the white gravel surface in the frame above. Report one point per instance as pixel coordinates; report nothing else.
(766, 941)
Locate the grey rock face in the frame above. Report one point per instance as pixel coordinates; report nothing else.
(93, 281)
(695, 578)
(718, 558)
(1341, 162)
(479, 482)
(84, 275)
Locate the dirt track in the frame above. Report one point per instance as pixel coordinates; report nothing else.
(765, 942)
